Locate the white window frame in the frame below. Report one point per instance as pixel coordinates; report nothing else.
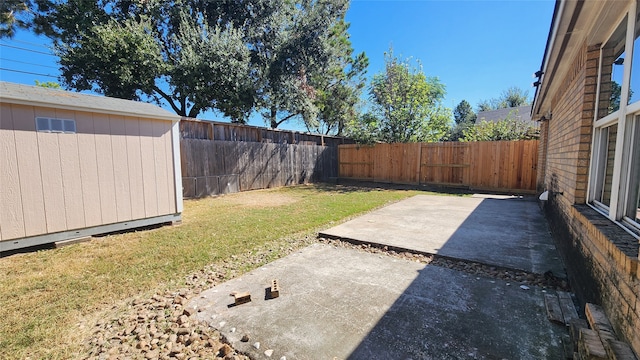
(624, 118)
(45, 124)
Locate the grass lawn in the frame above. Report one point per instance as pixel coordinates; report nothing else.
(47, 297)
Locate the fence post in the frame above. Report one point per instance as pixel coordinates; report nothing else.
(419, 172)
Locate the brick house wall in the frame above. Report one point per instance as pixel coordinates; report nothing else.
(601, 258)
(542, 155)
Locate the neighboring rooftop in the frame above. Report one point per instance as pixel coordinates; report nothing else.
(36, 95)
(522, 113)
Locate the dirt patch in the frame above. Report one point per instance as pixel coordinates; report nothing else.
(260, 199)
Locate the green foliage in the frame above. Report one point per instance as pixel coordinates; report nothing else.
(406, 104)
(211, 66)
(14, 14)
(304, 57)
(464, 118)
(512, 97)
(463, 113)
(365, 129)
(282, 58)
(119, 59)
(507, 129)
(458, 130)
(339, 85)
(48, 84)
(485, 105)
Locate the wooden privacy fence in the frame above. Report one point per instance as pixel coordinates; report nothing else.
(220, 167)
(495, 165)
(220, 158)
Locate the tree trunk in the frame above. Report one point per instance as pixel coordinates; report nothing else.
(272, 117)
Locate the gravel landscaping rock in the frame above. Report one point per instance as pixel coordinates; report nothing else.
(159, 328)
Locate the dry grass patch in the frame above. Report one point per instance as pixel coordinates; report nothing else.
(48, 299)
(260, 199)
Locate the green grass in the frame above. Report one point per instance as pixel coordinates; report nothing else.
(46, 296)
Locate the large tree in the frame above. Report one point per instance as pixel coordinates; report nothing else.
(464, 118)
(298, 62)
(408, 103)
(463, 113)
(195, 55)
(184, 53)
(339, 85)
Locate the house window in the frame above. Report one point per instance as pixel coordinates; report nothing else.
(611, 71)
(614, 178)
(55, 125)
(605, 160)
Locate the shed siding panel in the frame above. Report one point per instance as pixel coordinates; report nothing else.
(162, 174)
(11, 217)
(148, 168)
(88, 169)
(134, 160)
(71, 179)
(24, 123)
(104, 157)
(120, 167)
(50, 168)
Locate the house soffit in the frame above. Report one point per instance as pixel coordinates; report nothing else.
(580, 23)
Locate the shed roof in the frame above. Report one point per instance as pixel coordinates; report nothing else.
(40, 96)
(522, 113)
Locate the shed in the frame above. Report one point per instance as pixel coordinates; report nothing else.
(74, 165)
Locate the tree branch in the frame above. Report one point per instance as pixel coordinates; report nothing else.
(169, 100)
(278, 123)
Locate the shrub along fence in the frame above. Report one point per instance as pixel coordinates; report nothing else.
(219, 158)
(486, 165)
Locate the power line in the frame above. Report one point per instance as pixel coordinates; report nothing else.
(28, 63)
(28, 72)
(27, 43)
(25, 49)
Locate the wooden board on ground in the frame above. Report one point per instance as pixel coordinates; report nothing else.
(553, 308)
(589, 346)
(599, 322)
(574, 331)
(569, 312)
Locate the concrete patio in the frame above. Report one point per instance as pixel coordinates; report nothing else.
(343, 303)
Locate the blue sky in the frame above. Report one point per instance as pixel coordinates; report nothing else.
(476, 48)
